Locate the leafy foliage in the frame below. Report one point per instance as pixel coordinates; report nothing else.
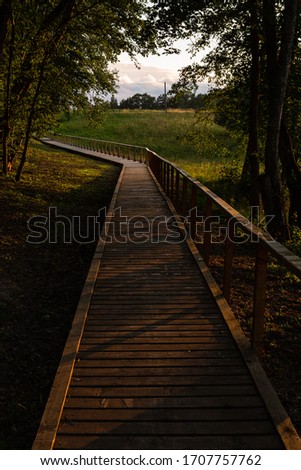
(173, 100)
(55, 56)
(254, 60)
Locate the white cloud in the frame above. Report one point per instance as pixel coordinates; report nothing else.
(147, 79)
(125, 79)
(153, 72)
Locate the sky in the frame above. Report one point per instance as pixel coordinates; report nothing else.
(154, 71)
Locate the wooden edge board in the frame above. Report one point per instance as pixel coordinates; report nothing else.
(283, 424)
(47, 431)
(93, 154)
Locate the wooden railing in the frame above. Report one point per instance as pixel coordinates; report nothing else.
(130, 152)
(204, 213)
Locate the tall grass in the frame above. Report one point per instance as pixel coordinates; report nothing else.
(214, 158)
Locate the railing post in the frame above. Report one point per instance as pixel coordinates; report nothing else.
(228, 261)
(184, 195)
(207, 233)
(177, 187)
(172, 183)
(161, 173)
(259, 299)
(164, 176)
(193, 213)
(168, 180)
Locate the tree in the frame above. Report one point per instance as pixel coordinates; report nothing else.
(252, 153)
(5, 18)
(113, 102)
(279, 54)
(138, 101)
(55, 55)
(255, 47)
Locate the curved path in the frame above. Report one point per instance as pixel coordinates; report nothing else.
(155, 358)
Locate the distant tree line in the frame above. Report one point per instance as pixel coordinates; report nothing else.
(173, 100)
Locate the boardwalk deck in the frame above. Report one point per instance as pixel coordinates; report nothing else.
(151, 362)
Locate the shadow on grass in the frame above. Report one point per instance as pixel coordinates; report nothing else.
(40, 284)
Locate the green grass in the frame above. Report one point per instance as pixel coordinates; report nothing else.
(210, 161)
(158, 130)
(40, 284)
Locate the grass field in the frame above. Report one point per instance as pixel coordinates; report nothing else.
(215, 160)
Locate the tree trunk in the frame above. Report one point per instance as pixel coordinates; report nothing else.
(251, 167)
(45, 42)
(6, 103)
(5, 15)
(292, 175)
(277, 75)
(31, 118)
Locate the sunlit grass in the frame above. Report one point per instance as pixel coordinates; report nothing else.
(164, 133)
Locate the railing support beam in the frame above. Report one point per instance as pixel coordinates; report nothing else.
(259, 299)
(228, 261)
(207, 232)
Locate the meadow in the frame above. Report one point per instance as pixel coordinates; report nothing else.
(204, 149)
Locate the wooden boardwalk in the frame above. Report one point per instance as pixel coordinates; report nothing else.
(155, 359)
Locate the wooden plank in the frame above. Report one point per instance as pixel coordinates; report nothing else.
(80, 441)
(158, 403)
(166, 428)
(165, 309)
(171, 414)
(157, 333)
(91, 386)
(159, 347)
(129, 315)
(156, 326)
(162, 380)
(176, 370)
(103, 354)
(219, 361)
(116, 323)
(152, 339)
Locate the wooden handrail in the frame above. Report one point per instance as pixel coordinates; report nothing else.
(276, 249)
(183, 191)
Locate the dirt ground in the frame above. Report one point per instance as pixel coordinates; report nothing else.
(40, 284)
(282, 340)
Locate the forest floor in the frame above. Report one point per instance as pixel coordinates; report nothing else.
(41, 282)
(282, 337)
